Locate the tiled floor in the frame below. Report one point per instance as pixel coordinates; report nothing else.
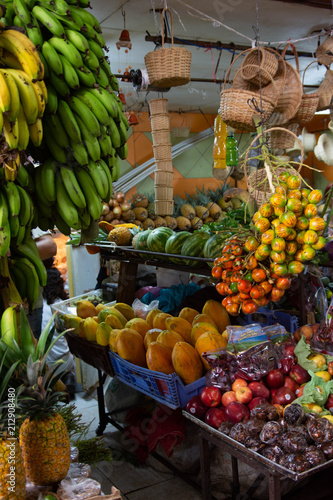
(151, 481)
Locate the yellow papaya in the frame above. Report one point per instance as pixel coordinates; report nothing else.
(203, 318)
(85, 309)
(130, 347)
(72, 322)
(169, 338)
(151, 315)
(200, 328)
(188, 313)
(89, 329)
(218, 312)
(113, 340)
(181, 326)
(159, 320)
(125, 310)
(138, 324)
(113, 321)
(151, 336)
(158, 358)
(103, 334)
(186, 362)
(209, 341)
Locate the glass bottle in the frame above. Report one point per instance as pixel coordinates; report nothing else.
(219, 146)
(232, 149)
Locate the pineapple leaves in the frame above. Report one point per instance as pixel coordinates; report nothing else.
(5, 380)
(26, 337)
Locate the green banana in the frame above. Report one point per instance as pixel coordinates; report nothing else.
(46, 66)
(49, 20)
(13, 198)
(44, 222)
(115, 170)
(69, 121)
(99, 177)
(69, 73)
(106, 67)
(23, 131)
(22, 176)
(86, 16)
(78, 40)
(26, 338)
(14, 224)
(4, 211)
(52, 102)
(27, 94)
(91, 61)
(47, 177)
(29, 251)
(52, 58)
(9, 326)
(102, 78)
(5, 239)
(124, 120)
(59, 154)
(59, 84)
(114, 133)
(20, 235)
(95, 105)
(19, 280)
(86, 76)
(105, 142)
(59, 6)
(79, 152)
(123, 151)
(96, 49)
(94, 202)
(69, 22)
(55, 130)
(107, 171)
(34, 33)
(32, 280)
(72, 187)
(82, 110)
(85, 218)
(22, 11)
(67, 49)
(14, 96)
(106, 99)
(90, 141)
(114, 82)
(66, 207)
(59, 222)
(43, 202)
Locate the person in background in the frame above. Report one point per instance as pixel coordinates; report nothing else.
(47, 248)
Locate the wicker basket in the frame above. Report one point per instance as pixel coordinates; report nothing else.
(163, 178)
(324, 52)
(282, 139)
(236, 107)
(164, 166)
(163, 192)
(259, 66)
(160, 122)
(161, 137)
(158, 107)
(168, 67)
(164, 207)
(291, 95)
(325, 91)
(308, 106)
(162, 152)
(257, 181)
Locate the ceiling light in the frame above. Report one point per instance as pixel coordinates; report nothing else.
(124, 39)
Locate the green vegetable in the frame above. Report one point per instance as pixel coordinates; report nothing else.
(303, 351)
(316, 391)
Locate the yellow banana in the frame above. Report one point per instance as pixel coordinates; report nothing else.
(8, 60)
(11, 168)
(27, 93)
(14, 96)
(40, 98)
(24, 134)
(36, 132)
(21, 47)
(4, 94)
(43, 88)
(11, 132)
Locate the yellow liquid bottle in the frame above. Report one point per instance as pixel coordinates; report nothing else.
(219, 146)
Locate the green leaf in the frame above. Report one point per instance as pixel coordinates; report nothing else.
(303, 351)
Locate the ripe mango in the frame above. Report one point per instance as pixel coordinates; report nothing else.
(85, 309)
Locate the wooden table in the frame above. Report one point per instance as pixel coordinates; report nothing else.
(264, 466)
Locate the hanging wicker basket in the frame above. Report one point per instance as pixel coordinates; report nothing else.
(158, 106)
(325, 91)
(257, 182)
(259, 66)
(171, 66)
(308, 106)
(281, 137)
(324, 52)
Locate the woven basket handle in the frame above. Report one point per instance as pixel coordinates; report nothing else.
(295, 54)
(171, 22)
(231, 65)
(305, 71)
(270, 130)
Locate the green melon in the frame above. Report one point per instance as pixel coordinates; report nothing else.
(213, 246)
(141, 242)
(174, 245)
(157, 239)
(193, 247)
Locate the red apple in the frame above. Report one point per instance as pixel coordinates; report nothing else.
(286, 364)
(228, 397)
(284, 396)
(255, 402)
(329, 403)
(244, 394)
(259, 390)
(196, 407)
(215, 416)
(239, 382)
(299, 391)
(289, 349)
(273, 392)
(275, 379)
(211, 396)
(291, 383)
(237, 412)
(299, 374)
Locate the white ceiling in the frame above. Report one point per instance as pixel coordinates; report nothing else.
(276, 20)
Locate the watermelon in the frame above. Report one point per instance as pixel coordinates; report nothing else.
(174, 245)
(193, 247)
(213, 246)
(141, 242)
(157, 239)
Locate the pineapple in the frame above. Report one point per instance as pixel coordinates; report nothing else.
(148, 224)
(201, 211)
(122, 236)
(196, 223)
(183, 223)
(138, 223)
(201, 200)
(151, 207)
(184, 207)
(140, 213)
(9, 446)
(214, 210)
(171, 222)
(160, 222)
(44, 439)
(140, 200)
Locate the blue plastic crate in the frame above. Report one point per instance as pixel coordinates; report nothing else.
(167, 389)
(267, 317)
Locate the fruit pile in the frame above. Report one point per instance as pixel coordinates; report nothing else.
(259, 270)
(274, 416)
(161, 342)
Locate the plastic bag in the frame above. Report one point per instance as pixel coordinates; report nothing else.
(119, 395)
(78, 470)
(78, 488)
(141, 310)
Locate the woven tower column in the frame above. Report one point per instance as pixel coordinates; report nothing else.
(160, 126)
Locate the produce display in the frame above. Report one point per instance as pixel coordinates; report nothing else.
(160, 342)
(257, 269)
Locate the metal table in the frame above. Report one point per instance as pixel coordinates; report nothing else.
(264, 466)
